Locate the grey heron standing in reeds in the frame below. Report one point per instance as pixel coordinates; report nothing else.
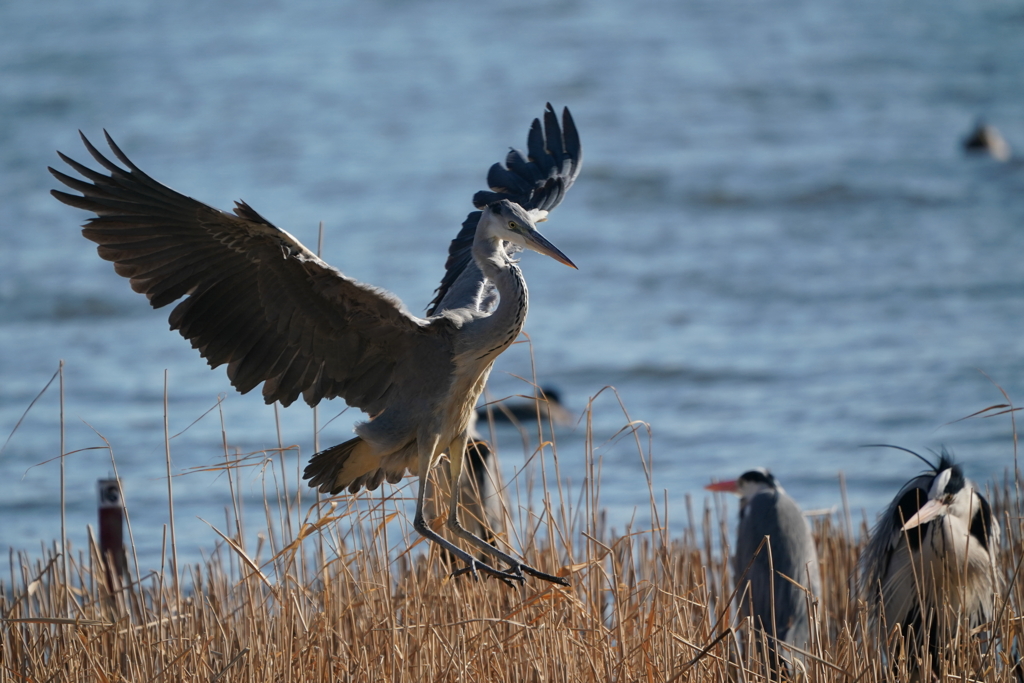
(260, 302)
(930, 564)
(775, 564)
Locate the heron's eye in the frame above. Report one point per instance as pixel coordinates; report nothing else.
(512, 225)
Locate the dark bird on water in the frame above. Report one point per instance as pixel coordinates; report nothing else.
(787, 561)
(547, 405)
(986, 139)
(261, 303)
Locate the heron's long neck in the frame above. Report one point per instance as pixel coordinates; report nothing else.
(500, 329)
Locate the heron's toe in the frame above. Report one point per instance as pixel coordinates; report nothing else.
(475, 566)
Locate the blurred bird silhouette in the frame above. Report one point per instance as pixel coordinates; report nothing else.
(548, 405)
(763, 572)
(930, 564)
(986, 139)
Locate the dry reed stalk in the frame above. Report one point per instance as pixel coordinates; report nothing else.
(340, 596)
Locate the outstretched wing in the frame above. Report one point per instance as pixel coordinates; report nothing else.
(257, 299)
(537, 181)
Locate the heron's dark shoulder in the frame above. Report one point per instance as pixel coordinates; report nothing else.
(760, 502)
(760, 514)
(905, 505)
(981, 523)
(774, 514)
(772, 508)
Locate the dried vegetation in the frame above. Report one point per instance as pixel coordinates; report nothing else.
(342, 590)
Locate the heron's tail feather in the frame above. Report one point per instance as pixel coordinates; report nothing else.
(352, 465)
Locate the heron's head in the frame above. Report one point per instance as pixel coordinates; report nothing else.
(748, 485)
(950, 494)
(505, 220)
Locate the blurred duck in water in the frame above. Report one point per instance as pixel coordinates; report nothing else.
(548, 404)
(986, 139)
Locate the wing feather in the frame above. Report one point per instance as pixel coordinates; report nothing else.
(255, 298)
(536, 181)
(887, 534)
(247, 372)
(297, 373)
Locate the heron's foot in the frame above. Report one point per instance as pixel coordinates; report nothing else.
(513, 573)
(474, 567)
(538, 574)
(515, 567)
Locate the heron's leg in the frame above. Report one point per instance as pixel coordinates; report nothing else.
(456, 455)
(427, 451)
(457, 460)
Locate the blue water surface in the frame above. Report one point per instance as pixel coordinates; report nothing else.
(783, 252)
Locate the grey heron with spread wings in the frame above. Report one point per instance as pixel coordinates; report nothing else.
(260, 302)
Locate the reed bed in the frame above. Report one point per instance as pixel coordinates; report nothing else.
(343, 590)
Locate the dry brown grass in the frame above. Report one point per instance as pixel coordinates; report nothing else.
(340, 597)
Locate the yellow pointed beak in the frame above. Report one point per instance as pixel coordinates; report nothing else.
(540, 244)
(927, 513)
